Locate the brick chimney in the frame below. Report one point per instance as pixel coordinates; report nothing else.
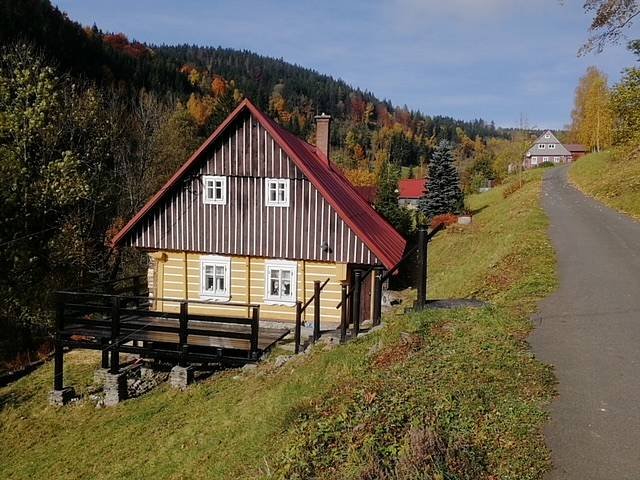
(323, 133)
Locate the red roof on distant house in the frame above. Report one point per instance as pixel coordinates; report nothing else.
(380, 237)
(575, 147)
(411, 187)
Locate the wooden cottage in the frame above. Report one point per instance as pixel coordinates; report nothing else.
(255, 216)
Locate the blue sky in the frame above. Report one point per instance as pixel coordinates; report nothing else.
(495, 59)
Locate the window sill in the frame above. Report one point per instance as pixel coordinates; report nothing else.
(281, 303)
(214, 299)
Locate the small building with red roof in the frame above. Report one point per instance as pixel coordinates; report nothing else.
(410, 191)
(255, 216)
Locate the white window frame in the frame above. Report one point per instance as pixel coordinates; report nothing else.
(215, 261)
(552, 146)
(556, 159)
(542, 146)
(545, 159)
(280, 265)
(534, 160)
(547, 135)
(206, 179)
(281, 185)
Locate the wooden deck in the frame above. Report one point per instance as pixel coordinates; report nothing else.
(218, 335)
(116, 323)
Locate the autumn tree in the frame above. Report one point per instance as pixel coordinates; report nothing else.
(610, 19)
(625, 100)
(56, 164)
(443, 193)
(592, 118)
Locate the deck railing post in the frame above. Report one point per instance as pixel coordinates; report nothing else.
(377, 295)
(297, 327)
(115, 335)
(183, 334)
(136, 291)
(104, 350)
(355, 302)
(58, 359)
(344, 322)
(422, 269)
(316, 310)
(255, 329)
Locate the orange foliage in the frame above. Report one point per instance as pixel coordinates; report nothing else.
(120, 42)
(200, 109)
(219, 87)
(447, 219)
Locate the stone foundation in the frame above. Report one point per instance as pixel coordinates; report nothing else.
(181, 377)
(59, 398)
(115, 388)
(99, 376)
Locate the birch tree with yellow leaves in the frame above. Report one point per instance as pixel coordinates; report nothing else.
(592, 116)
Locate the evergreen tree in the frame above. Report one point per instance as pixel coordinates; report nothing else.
(387, 199)
(443, 194)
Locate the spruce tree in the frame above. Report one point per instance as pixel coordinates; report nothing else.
(443, 194)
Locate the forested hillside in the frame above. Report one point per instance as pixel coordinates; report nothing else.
(92, 124)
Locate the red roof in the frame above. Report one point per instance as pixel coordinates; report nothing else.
(368, 192)
(411, 187)
(381, 238)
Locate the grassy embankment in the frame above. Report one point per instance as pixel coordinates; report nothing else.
(613, 181)
(454, 393)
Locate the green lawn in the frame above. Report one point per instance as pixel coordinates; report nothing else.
(614, 181)
(454, 393)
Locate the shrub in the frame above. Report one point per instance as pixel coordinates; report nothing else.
(447, 219)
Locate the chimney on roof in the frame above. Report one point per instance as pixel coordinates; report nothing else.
(323, 133)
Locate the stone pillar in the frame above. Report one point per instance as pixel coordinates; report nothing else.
(61, 397)
(181, 377)
(115, 388)
(99, 376)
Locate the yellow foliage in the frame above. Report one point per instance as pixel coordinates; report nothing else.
(592, 117)
(360, 177)
(200, 109)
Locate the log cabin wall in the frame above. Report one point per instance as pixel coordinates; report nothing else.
(247, 280)
(245, 226)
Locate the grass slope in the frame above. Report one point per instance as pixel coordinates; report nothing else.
(613, 181)
(451, 394)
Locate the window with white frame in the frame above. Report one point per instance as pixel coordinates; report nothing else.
(556, 159)
(534, 160)
(215, 277)
(552, 146)
(277, 192)
(547, 135)
(280, 282)
(545, 159)
(215, 190)
(542, 146)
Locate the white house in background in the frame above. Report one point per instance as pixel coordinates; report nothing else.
(546, 149)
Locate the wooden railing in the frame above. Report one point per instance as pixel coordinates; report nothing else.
(300, 309)
(124, 316)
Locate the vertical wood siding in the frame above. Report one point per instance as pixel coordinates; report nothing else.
(247, 155)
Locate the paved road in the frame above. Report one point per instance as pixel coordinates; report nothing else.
(590, 331)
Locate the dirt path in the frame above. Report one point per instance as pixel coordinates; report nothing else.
(590, 331)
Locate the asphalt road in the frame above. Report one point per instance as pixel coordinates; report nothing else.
(589, 330)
